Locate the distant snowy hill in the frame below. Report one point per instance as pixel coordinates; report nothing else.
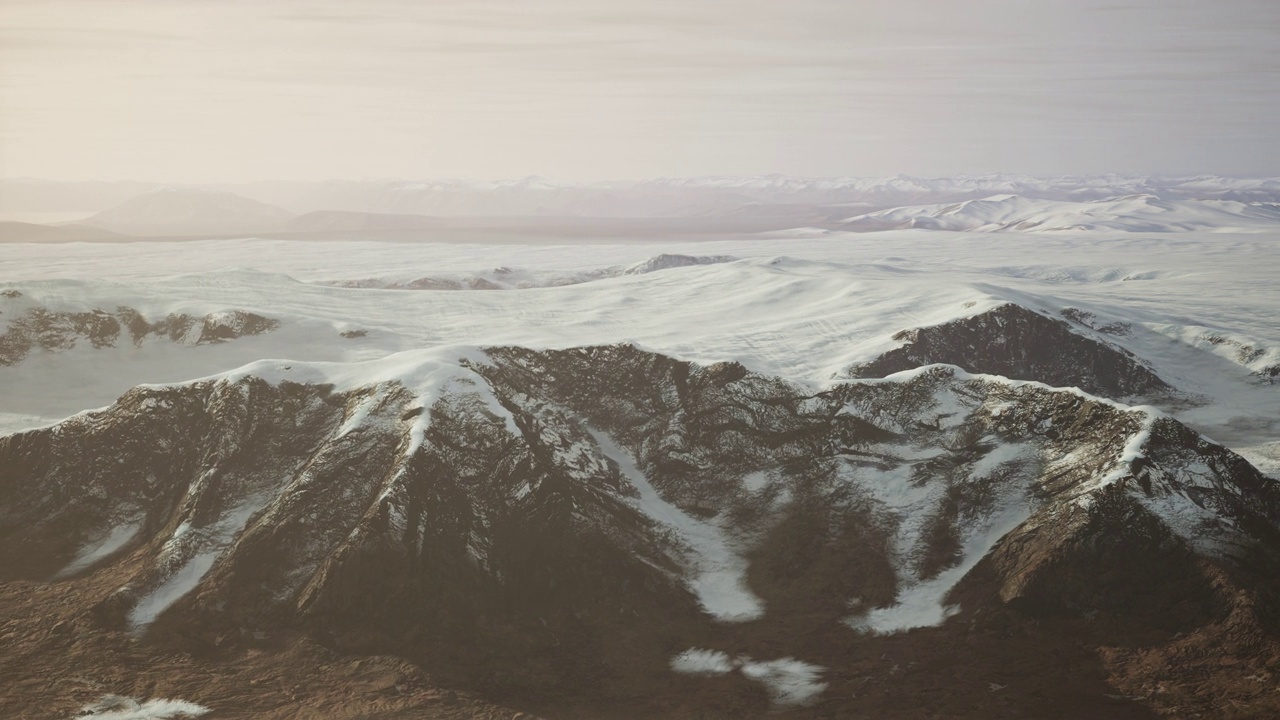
(1014, 213)
(34, 195)
(482, 211)
(341, 221)
(679, 197)
(22, 232)
(643, 198)
(190, 211)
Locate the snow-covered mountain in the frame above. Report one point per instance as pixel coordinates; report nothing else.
(189, 211)
(777, 476)
(1133, 213)
(496, 511)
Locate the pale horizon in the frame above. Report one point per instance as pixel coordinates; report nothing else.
(622, 181)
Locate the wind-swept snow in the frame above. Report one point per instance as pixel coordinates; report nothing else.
(116, 707)
(107, 544)
(696, 661)
(788, 680)
(1134, 450)
(193, 551)
(506, 278)
(1199, 307)
(180, 583)
(923, 603)
(718, 569)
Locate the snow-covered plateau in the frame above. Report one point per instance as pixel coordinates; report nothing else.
(1199, 309)
(616, 469)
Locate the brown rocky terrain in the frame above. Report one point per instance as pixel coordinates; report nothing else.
(546, 532)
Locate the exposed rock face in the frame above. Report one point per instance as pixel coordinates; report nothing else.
(51, 331)
(1022, 344)
(1250, 356)
(564, 523)
(666, 261)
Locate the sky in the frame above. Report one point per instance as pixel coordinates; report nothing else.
(581, 90)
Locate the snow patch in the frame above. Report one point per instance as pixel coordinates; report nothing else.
(180, 583)
(922, 604)
(360, 414)
(1134, 449)
(756, 481)
(105, 545)
(789, 681)
(1002, 454)
(116, 707)
(202, 547)
(909, 502)
(720, 571)
(696, 661)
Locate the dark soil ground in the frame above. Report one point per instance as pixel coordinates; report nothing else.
(989, 662)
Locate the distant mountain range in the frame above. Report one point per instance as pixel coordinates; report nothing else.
(178, 211)
(1132, 213)
(403, 209)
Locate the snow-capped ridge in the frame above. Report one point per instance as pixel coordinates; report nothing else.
(1138, 212)
(507, 278)
(668, 261)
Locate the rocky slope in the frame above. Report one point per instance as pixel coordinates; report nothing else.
(609, 532)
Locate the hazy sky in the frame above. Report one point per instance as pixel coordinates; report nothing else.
(229, 90)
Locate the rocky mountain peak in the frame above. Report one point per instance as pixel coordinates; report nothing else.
(577, 521)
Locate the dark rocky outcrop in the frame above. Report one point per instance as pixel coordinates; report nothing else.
(50, 331)
(1022, 344)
